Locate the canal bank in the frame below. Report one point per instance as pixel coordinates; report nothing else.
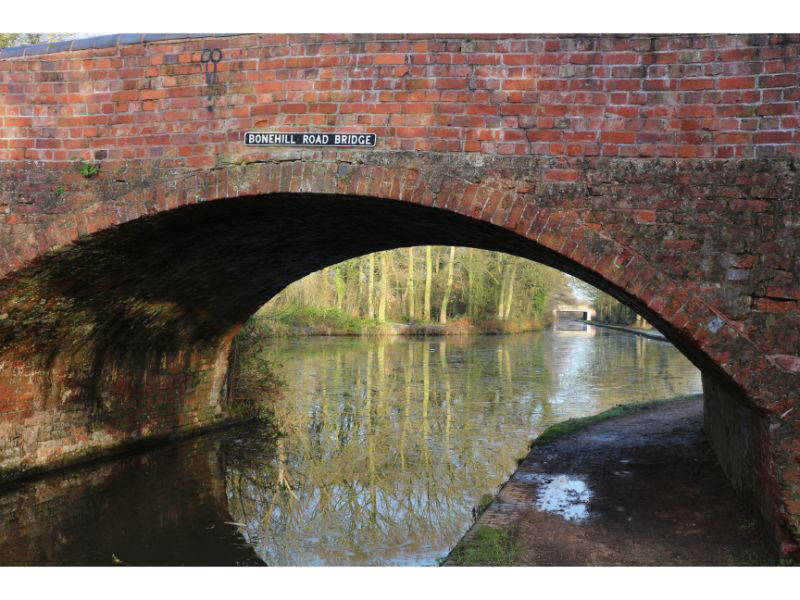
(308, 321)
(640, 487)
(653, 334)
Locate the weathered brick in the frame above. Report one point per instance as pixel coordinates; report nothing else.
(581, 123)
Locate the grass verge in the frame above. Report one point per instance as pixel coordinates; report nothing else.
(297, 321)
(486, 547)
(572, 425)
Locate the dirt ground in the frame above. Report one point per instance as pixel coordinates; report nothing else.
(640, 489)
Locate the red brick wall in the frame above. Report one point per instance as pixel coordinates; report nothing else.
(698, 96)
(660, 168)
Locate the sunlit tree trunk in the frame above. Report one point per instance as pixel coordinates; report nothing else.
(340, 287)
(503, 284)
(395, 277)
(510, 290)
(470, 283)
(391, 276)
(371, 287)
(410, 285)
(384, 286)
(362, 267)
(428, 274)
(351, 277)
(448, 287)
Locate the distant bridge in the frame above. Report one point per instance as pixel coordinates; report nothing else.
(576, 312)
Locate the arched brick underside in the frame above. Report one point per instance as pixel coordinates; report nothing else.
(117, 329)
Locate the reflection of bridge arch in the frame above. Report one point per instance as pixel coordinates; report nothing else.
(574, 329)
(120, 291)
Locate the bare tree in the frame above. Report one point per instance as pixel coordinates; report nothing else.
(448, 288)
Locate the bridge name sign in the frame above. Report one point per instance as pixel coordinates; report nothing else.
(261, 138)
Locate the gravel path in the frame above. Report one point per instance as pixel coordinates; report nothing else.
(640, 489)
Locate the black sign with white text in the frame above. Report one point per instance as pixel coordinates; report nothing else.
(262, 138)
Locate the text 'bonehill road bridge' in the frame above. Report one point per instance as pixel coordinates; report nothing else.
(138, 230)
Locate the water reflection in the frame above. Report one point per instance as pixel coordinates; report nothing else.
(381, 449)
(573, 329)
(392, 442)
(166, 506)
(565, 495)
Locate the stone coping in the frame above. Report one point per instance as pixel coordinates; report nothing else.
(101, 41)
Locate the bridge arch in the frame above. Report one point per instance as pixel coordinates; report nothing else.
(554, 235)
(129, 325)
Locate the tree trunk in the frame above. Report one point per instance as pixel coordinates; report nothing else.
(503, 284)
(446, 298)
(362, 264)
(470, 284)
(510, 290)
(371, 287)
(351, 277)
(410, 285)
(323, 299)
(428, 273)
(340, 287)
(384, 286)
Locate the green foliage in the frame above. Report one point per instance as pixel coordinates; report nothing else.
(487, 547)
(484, 502)
(295, 319)
(60, 191)
(88, 169)
(19, 39)
(340, 286)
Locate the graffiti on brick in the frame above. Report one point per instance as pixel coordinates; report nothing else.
(210, 58)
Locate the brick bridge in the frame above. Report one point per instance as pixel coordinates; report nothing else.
(662, 169)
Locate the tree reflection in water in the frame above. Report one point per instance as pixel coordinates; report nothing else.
(383, 446)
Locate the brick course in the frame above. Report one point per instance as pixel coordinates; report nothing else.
(712, 96)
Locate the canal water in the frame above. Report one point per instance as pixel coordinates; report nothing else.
(380, 451)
